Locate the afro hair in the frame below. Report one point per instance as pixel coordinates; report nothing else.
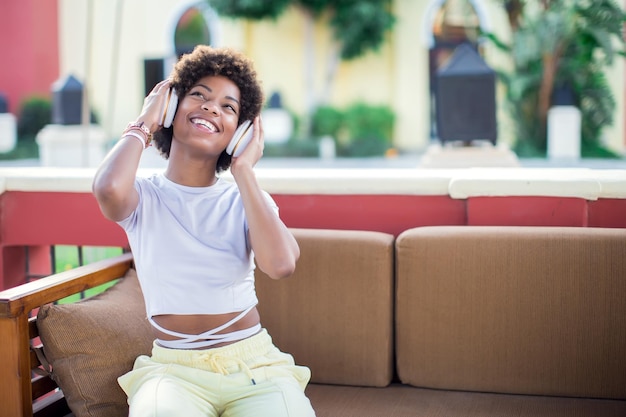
(206, 61)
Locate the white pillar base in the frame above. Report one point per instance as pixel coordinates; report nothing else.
(564, 124)
(71, 145)
(8, 132)
(482, 155)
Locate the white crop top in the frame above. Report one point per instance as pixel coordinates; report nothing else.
(190, 247)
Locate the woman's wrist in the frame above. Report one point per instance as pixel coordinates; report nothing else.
(241, 169)
(139, 131)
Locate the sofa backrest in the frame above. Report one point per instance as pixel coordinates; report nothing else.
(527, 310)
(335, 314)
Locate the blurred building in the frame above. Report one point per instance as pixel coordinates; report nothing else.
(118, 48)
(29, 49)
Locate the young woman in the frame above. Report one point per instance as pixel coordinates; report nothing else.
(196, 239)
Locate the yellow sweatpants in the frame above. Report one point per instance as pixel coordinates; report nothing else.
(250, 378)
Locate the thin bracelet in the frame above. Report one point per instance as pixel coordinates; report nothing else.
(141, 128)
(137, 136)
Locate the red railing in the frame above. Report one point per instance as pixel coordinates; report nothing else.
(40, 207)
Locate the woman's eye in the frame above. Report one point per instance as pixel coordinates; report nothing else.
(196, 94)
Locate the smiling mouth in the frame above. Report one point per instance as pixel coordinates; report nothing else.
(204, 123)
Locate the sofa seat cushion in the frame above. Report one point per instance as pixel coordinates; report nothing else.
(399, 400)
(92, 342)
(335, 314)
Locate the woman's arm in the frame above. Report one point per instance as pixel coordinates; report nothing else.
(113, 184)
(275, 249)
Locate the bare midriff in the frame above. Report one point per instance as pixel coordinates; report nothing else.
(200, 323)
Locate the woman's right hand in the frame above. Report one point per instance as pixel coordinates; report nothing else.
(154, 105)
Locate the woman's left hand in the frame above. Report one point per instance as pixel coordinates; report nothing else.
(254, 150)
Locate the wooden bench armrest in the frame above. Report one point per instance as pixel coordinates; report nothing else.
(15, 335)
(24, 298)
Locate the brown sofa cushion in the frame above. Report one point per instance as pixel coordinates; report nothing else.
(92, 342)
(405, 401)
(334, 314)
(529, 310)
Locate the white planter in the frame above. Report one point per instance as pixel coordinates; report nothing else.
(564, 124)
(8, 132)
(71, 145)
(277, 125)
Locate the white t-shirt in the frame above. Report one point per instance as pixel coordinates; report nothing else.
(190, 247)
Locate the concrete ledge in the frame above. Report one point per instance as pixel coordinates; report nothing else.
(275, 181)
(46, 179)
(356, 181)
(589, 184)
(612, 183)
(556, 182)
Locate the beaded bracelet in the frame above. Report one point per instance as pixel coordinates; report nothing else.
(137, 129)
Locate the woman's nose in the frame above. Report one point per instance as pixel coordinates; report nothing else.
(210, 106)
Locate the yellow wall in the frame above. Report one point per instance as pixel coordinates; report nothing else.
(396, 75)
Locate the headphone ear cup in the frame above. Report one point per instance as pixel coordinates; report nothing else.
(170, 109)
(240, 139)
(243, 142)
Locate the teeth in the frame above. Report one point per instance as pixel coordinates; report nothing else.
(205, 123)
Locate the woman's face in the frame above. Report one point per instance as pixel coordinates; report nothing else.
(208, 114)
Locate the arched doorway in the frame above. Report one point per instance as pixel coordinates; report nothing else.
(193, 23)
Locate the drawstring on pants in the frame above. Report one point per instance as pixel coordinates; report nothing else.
(242, 356)
(215, 361)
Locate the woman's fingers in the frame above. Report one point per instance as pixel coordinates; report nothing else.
(154, 105)
(258, 127)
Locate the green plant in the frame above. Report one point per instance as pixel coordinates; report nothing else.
(359, 130)
(293, 148)
(357, 26)
(24, 149)
(66, 257)
(35, 113)
(560, 44)
(250, 9)
(369, 129)
(327, 121)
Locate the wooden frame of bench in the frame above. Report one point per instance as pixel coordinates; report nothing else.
(24, 393)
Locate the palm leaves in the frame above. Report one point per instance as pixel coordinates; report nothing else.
(561, 43)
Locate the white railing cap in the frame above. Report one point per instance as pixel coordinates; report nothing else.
(555, 182)
(460, 183)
